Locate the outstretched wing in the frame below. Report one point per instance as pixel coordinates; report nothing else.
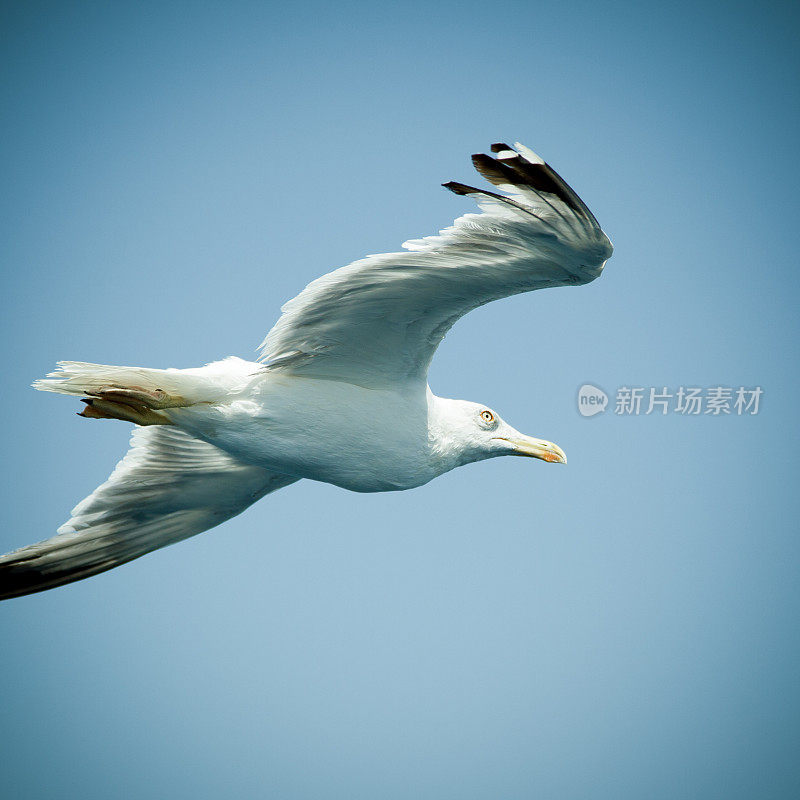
(379, 320)
(169, 486)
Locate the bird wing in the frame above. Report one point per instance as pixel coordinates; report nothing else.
(169, 486)
(379, 320)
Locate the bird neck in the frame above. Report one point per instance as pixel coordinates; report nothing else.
(448, 447)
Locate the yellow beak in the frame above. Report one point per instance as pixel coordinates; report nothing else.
(536, 448)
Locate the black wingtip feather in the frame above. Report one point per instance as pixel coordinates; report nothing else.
(518, 171)
(459, 188)
(521, 172)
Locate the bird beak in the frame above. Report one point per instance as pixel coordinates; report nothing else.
(535, 448)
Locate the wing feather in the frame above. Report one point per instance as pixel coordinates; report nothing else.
(169, 486)
(378, 321)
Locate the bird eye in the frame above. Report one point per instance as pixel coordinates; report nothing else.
(487, 416)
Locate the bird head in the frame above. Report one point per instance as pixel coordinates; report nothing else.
(472, 432)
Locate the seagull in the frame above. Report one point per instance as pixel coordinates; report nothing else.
(339, 392)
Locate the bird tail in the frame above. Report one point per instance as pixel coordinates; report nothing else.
(142, 395)
(80, 379)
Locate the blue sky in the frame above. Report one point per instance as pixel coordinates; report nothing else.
(622, 627)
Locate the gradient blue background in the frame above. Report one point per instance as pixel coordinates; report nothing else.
(623, 627)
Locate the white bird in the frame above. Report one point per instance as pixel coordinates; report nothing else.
(339, 393)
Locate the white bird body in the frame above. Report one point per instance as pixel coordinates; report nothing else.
(340, 393)
(300, 426)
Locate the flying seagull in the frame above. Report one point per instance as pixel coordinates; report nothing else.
(339, 393)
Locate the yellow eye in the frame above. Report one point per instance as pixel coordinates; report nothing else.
(487, 416)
